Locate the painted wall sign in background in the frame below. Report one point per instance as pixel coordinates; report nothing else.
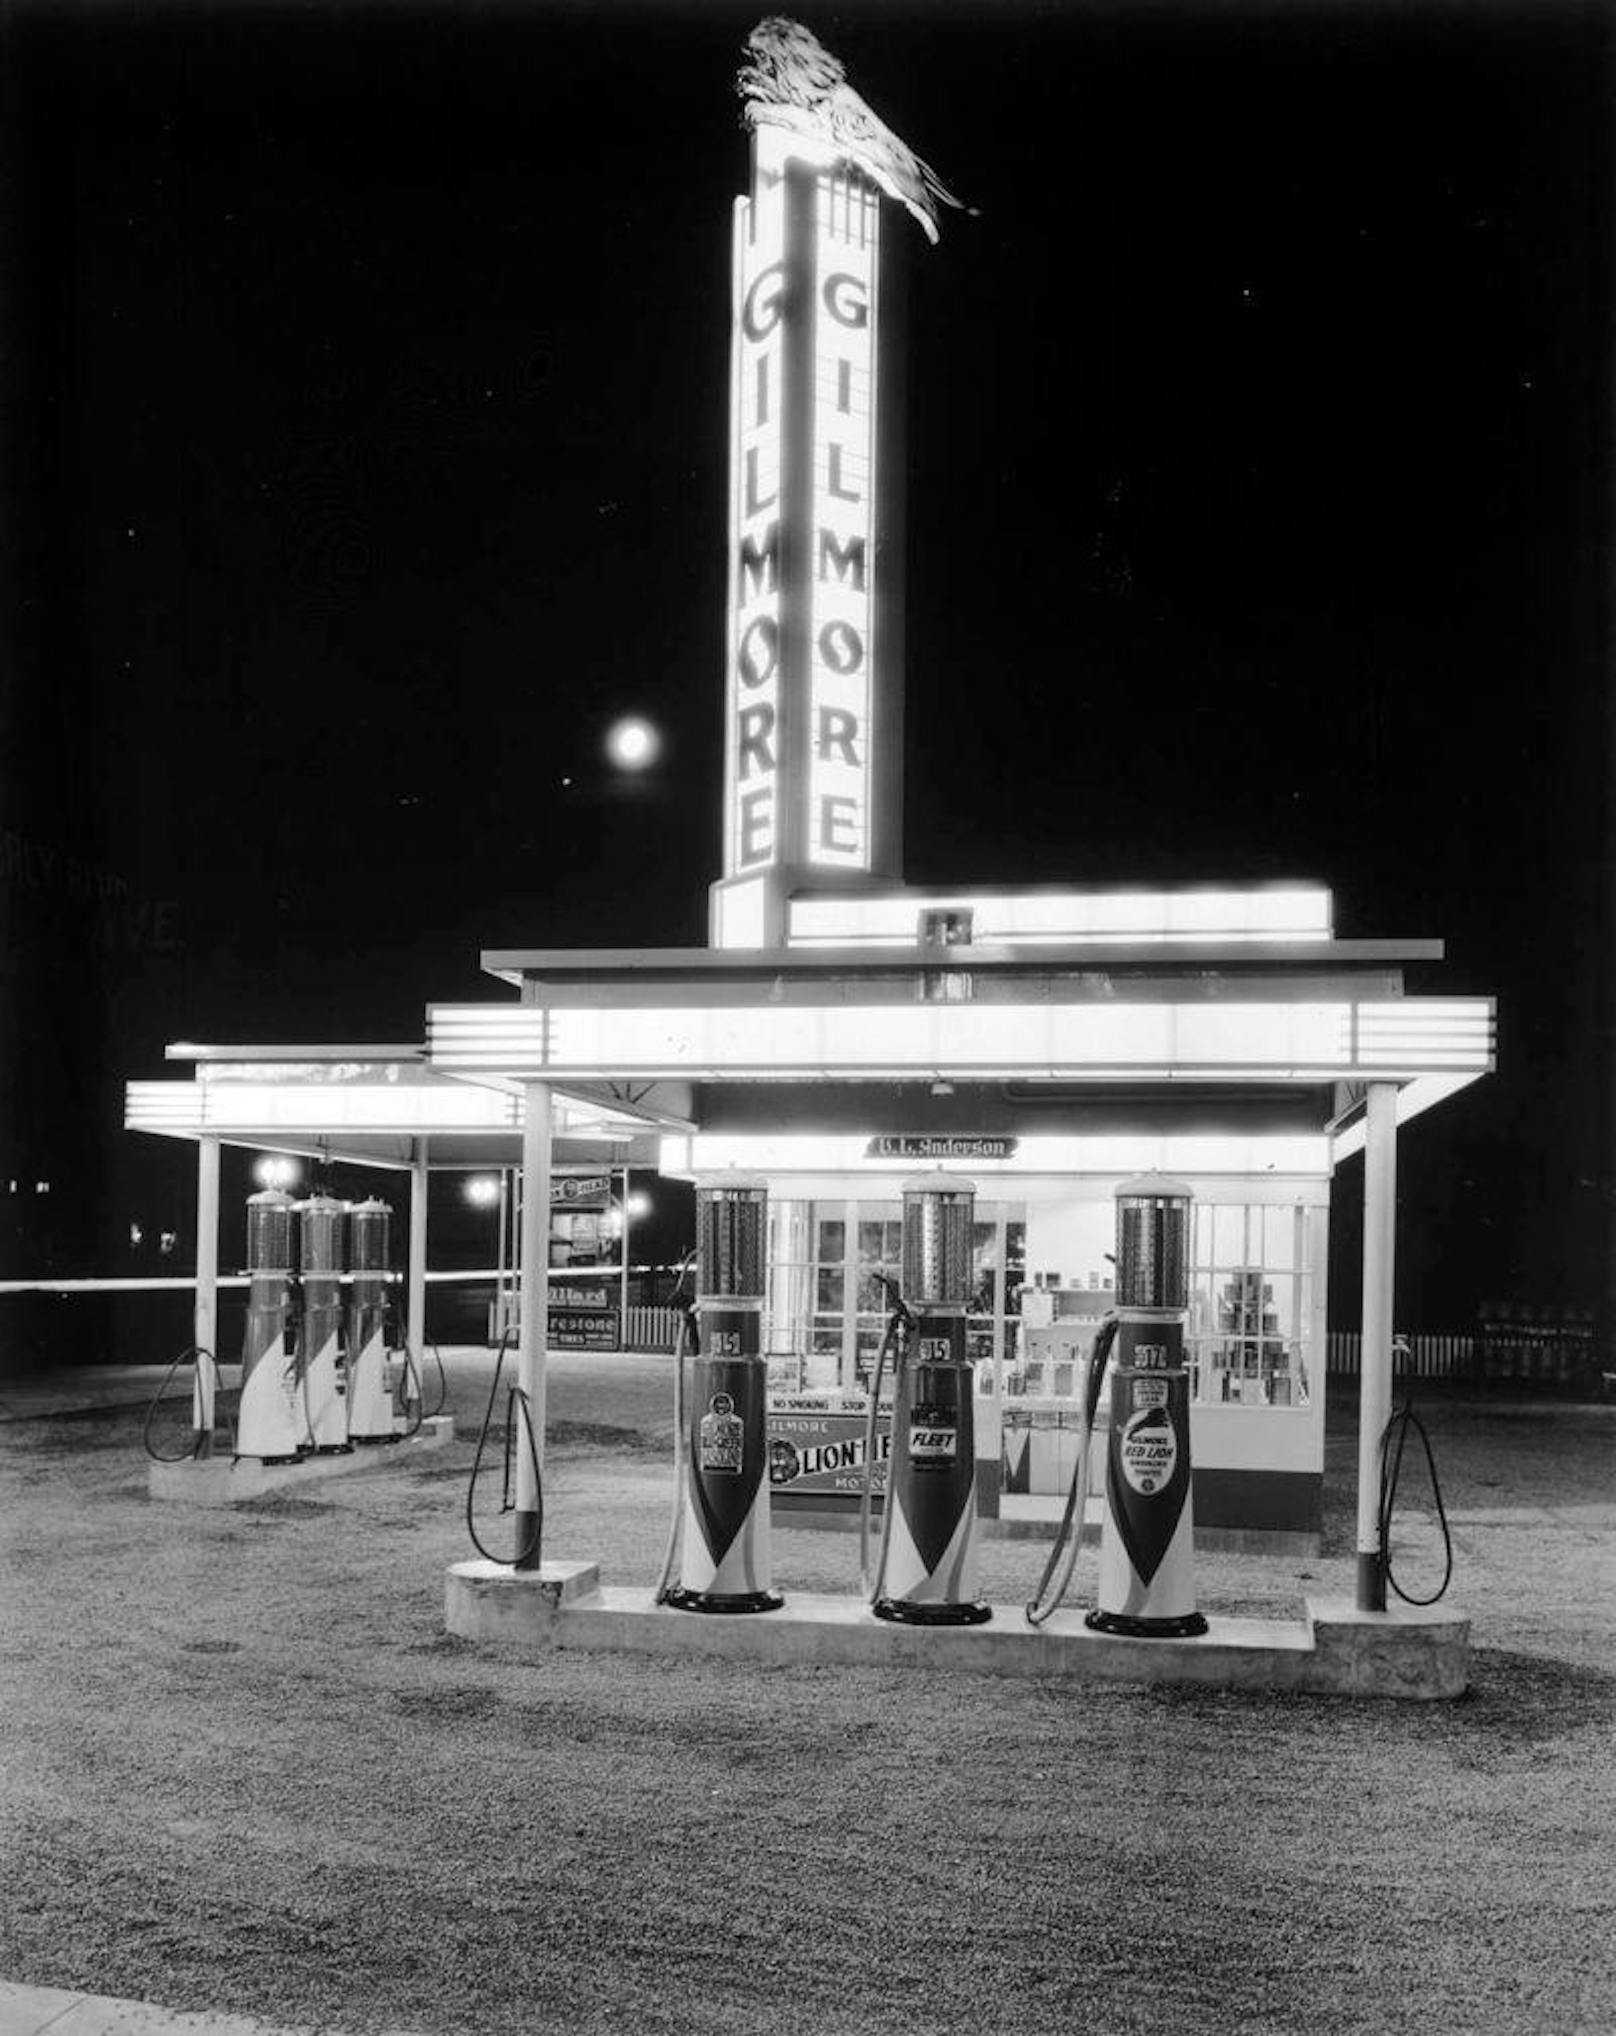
(817, 1453)
(583, 1328)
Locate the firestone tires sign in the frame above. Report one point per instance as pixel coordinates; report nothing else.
(582, 1328)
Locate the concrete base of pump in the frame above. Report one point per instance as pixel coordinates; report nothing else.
(216, 1481)
(1334, 1650)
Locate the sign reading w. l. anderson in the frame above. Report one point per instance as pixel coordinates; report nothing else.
(923, 1145)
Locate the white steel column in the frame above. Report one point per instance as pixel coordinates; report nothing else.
(534, 1318)
(502, 1274)
(1375, 1380)
(622, 1251)
(205, 1315)
(415, 1274)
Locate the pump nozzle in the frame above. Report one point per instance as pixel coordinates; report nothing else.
(1069, 1535)
(899, 1306)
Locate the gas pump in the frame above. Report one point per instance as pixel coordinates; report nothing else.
(370, 1399)
(926, 1575)
(325, 1374)
(1147, 1563)
(269, 1417)
(723, 1489)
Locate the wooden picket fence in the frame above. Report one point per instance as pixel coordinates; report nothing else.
(650, 1328)
(1509, 1352)
(1552, 1354)
(1428, 1357)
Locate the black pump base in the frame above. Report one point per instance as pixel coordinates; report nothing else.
(1185, 1627)
(739, 1601)
(904, 1613)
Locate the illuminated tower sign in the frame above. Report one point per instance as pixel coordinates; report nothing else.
(813, 748)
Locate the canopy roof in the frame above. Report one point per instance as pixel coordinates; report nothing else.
(1223, 1015)
(376, 1105)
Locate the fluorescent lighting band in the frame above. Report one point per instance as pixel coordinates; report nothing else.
(1292, 1041)
(316, 1109)
(1300, 913)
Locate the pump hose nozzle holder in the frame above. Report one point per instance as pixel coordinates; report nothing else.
(516, 1402)
(686, 1340)
(411, 1370)
(1069, 1534)
(199, 1437)
(899, 1324)
(1393, 1440)
(686, 1343)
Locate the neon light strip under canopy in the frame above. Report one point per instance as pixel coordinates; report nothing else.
(1211, 1038)
(227, 1107)
(1302, 913)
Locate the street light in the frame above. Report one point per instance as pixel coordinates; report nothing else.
(488, 1191)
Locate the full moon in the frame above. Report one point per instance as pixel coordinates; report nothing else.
(632, 744)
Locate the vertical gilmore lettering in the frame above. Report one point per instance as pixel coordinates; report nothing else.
(831, 282)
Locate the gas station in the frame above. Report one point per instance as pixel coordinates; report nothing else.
(1000, 1147)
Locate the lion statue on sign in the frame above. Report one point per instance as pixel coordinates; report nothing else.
(789, 79)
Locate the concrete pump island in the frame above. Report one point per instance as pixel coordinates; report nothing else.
(1012, 1206)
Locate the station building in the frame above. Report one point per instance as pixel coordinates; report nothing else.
(844, 1031)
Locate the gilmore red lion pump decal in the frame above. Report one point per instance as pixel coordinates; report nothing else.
(723, 1439)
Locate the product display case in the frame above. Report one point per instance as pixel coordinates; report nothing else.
(1041, 1413)
(1057, 1327)
(1248, 1361)
(1250, 1307)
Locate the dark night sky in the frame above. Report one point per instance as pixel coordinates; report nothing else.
(364, 418)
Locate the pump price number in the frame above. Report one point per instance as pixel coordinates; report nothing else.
(1149, 1357)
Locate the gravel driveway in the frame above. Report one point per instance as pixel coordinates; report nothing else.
(245, 1769)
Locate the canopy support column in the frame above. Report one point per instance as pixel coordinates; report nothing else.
(1375, 1379)
(205, 1314)
(535, 1321)
(415, 1273)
